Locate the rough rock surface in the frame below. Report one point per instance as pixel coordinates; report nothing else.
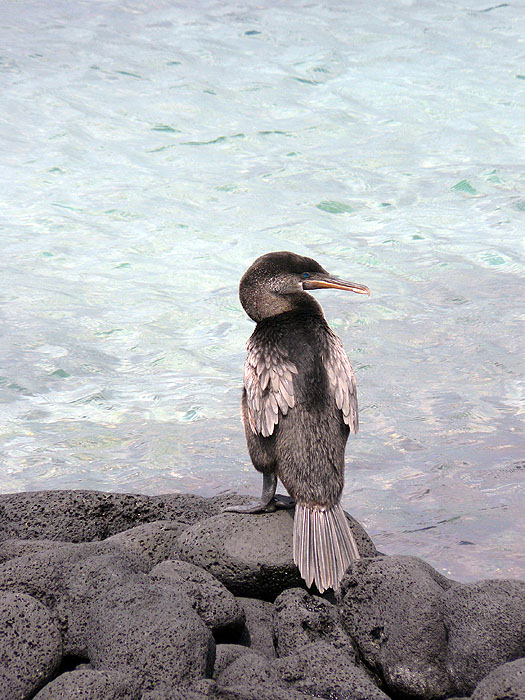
(392, 610)
(123, 617)
(67, 579)
(10, 549)
(327, 672)
(152, 629)
(84, 516)
(250, 669)
(258, 633)
(301, 619)
(30, 646)
(486, 628)
(251, 554)
(260, 692)
(177, 694)
(506, 682)
(253, 676)
(226, 654)
(92, 685)
(153, 542)
(209, 598)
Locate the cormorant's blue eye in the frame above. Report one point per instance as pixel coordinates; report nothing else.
(305, 275)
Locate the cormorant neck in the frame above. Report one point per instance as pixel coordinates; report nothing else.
(261, 304)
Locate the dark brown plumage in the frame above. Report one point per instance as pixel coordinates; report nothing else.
(299, 404)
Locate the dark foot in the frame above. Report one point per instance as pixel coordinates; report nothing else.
(267, 504)
(284, 502)
(259, 507)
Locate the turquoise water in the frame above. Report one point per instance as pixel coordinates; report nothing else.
(151, 150)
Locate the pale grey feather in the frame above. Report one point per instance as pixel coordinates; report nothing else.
(268, 380)
(323, 545)
(342, 380)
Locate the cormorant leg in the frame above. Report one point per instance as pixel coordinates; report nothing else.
(266, 504)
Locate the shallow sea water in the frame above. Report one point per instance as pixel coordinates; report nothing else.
(152, 150)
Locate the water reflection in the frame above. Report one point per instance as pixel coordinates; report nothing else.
(153, 151)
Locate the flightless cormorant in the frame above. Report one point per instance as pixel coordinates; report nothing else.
(299, 404)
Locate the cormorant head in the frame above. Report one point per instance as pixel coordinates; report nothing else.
(276, 283)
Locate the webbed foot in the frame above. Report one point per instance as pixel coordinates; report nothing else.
(267, 504)
(258, 507)
(284, 502)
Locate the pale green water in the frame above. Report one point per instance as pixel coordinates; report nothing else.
(151, 150)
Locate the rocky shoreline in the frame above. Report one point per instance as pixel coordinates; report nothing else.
(130, 597)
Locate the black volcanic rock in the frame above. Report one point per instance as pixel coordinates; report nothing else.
(506, 682)
(152, 629)
(251, 554)
(258, 633)
(391, 607)
(217, 607)
(10, 549)
(252, 676)
(260, 692)
(67, 579)
(89, 684)
(226, 654)
(301, 619)
(90, 578)
(485, 622)
(30, 646)
(327, 672)
(84, 516)
(130, 615)
(250, 669)
(153, 542)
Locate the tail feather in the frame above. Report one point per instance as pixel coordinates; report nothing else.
(323, 545)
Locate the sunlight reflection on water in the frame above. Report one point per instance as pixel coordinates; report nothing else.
(153, 150)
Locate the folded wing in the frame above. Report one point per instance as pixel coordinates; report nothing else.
(342, 380)
(268, 380)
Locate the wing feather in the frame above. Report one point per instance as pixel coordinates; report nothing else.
(268, 380)
(342, 380)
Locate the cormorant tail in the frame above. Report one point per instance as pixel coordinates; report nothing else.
(323, 545)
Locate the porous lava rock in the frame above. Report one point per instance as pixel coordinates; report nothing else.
(84, 516)
(219, 609)
(10, 549)
(485, 622)
(251, 554)
(88, 684)
(30, 646)
(391, 608)
(506, 682)
(177, 694)
(325, 671)
(133, 613)
(153, 542)
(152, 629)
(258, 632)
(250, 669)
(226, 654)
(199, 691)
(68, 578)
(261, 692)
(91, 577)
(301, 618)
(252, 676)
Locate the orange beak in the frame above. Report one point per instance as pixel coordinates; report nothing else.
(330, 282)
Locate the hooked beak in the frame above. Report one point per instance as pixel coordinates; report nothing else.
(330, 282)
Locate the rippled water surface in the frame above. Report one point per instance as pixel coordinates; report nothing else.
(152, 149)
